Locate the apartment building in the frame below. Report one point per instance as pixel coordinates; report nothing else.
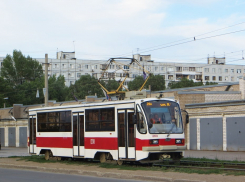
(71, 68)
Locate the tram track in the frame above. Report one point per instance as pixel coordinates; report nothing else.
(204, 165)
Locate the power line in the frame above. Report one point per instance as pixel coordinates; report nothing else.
(188, 38)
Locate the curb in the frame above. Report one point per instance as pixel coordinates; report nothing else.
(96, 173)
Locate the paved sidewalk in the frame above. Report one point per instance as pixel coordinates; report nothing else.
(230, 156)
(13, 151)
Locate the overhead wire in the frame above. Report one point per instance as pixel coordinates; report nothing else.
(147, 49)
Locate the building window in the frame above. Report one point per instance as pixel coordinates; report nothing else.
(94, 75)
(219, 70)
(170, 69)
(199, 69)
(86, 66)
(71, 65)
(220, 78)
(206, 70)
(63, 65)
(111, 66)
(191, 68)
(178, 68)
(162, 68)
(226, 78)
(213, 70)
(72, 74)
(226, 70)
(214, 78)
(71, 82)
(232, 70)
(78, 75)
(232, 78)
(95, 67)
(125, 67)
(191, 77)
(170, 77)
(198, 77)
(55, 65)
(239, 71)
(185, 69)
(207, 78)
(156, 68)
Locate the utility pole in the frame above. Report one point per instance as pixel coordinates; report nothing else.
(46, 80)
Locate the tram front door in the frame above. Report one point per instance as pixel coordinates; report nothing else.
(78, 134)
(32, 134)
(126, 138)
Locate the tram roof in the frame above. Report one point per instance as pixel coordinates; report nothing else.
(101, 103)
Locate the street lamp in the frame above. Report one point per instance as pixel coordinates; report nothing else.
(5, 101)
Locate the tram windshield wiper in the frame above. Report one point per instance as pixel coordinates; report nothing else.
(171, 129)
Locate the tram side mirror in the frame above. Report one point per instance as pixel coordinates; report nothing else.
(187, 118)
(150, 125)
(135, 119)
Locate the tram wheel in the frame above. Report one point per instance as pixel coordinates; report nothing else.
(102, 158)
(119, 162)
(47, 155)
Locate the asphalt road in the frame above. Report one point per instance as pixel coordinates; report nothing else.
(14, 175)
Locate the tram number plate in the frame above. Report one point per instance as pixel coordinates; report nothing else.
(92, 141)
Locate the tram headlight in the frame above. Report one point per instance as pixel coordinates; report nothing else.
(179, 141)
(153, 142)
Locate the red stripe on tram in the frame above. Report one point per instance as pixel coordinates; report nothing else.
(106, 143)
(56, 142)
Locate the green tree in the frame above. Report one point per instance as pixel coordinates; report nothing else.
(112, 85)
(136, 83)
(57, 89)
(5, 89)
(85, 86)
(211, 83)
(26, 93)
(157, 83)
(184, 82)
(17, 69)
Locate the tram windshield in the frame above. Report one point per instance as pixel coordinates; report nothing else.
(163, 116)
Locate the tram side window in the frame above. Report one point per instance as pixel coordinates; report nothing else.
(141, 125)
(54, 121)
(100, 119)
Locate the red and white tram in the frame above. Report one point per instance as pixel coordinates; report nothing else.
(119, 130)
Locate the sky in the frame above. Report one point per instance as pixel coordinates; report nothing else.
(181, 31)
